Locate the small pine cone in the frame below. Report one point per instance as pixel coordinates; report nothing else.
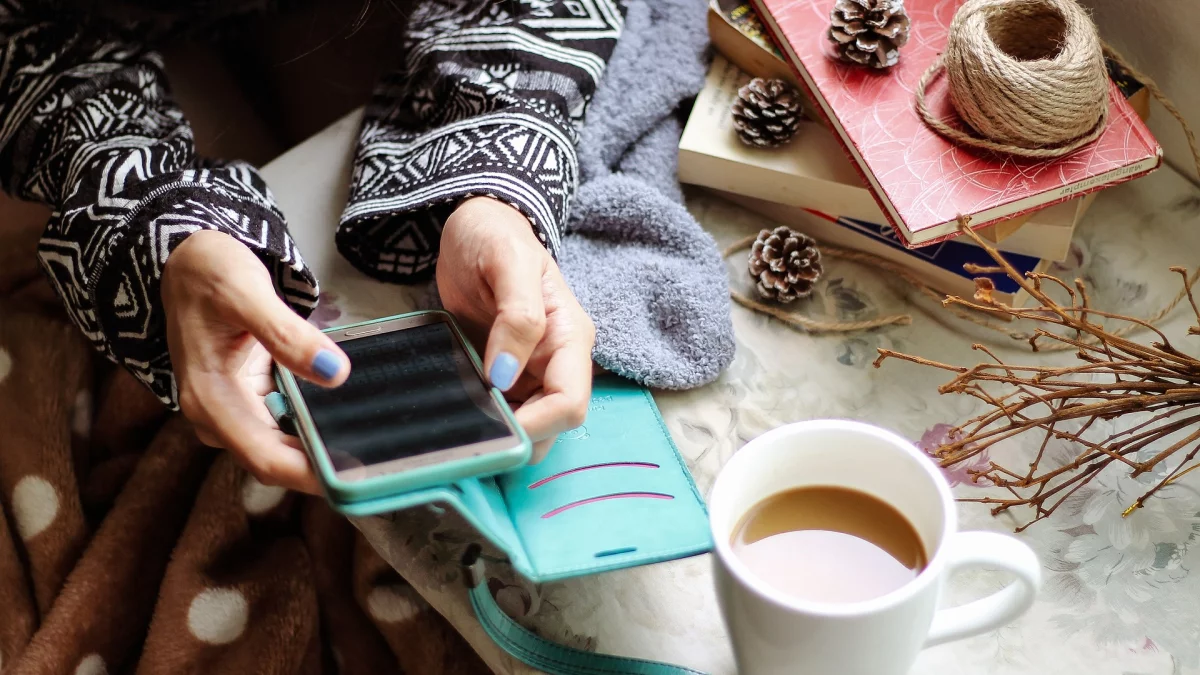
(766, 113)
(869, 32)
(785, 263)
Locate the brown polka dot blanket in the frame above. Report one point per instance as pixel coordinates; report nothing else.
(128, 547)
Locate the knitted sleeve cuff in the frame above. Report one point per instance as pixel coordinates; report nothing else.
(124, 298)
(405, 185)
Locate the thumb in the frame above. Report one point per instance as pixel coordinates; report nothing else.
(520, 320)
(293, 342)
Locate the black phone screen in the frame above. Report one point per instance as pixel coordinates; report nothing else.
(411, 391)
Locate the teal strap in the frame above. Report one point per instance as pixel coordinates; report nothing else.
(277, 405)
(539, 653)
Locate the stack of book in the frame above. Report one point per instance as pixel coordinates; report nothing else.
(838, 182)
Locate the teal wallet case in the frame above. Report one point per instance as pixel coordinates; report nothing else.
(611, 494)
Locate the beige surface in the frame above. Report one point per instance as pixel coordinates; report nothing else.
(1159, 37)
(1120, 597)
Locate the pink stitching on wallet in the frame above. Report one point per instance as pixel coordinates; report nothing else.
(637, 465)
(618, 495)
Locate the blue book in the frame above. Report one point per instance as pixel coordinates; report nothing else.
(939, 265)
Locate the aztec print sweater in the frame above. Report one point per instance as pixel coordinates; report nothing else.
(488, 101)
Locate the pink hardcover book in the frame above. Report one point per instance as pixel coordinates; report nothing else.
(921, 180)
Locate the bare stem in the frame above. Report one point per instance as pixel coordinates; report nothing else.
(1114, 376)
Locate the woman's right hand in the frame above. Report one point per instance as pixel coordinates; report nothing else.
(225, 326)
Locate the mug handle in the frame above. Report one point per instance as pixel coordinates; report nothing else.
(987, 549)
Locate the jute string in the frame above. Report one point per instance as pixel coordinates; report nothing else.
(1019, 102)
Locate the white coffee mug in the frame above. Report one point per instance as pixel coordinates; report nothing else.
(774, 633)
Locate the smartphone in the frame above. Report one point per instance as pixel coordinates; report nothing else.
(416, 412)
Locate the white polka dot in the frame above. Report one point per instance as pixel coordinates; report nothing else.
(393, 604)
(91, 664)
(259, 498)
(34, 505)
(81, 415)
(5, 364)
(218, 615)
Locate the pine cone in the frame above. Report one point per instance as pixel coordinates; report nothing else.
(869, 32)
(766, 113)
(786, 264)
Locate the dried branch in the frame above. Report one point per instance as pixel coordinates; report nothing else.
(1115, 376)
(1187, 286)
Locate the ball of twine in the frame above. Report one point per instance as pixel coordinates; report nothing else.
(1028, 76)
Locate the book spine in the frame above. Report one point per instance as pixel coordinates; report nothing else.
(1138, 122)
(746, 53)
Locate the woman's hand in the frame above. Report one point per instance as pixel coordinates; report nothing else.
(502, 285)
(224, 325)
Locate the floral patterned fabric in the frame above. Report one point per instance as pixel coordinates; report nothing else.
(1120, 596)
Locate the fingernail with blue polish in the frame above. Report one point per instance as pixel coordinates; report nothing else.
(504, 371)
(326, 364)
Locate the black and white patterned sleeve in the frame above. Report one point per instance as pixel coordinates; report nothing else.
(87, 126)
(488, 102)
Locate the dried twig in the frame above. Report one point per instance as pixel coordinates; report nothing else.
(1115, 376)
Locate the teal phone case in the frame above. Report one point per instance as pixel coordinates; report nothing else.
(611, 494)
(343, 493)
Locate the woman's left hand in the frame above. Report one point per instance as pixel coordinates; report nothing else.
(500, 282)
